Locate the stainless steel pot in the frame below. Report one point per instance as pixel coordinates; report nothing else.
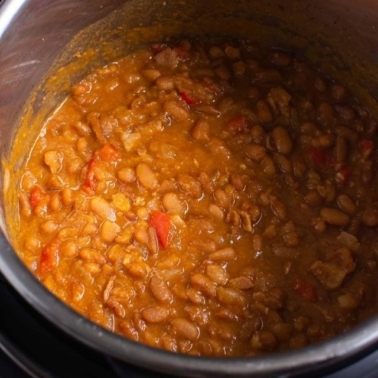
(36, 45)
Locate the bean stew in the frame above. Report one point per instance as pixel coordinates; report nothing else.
(208, 199)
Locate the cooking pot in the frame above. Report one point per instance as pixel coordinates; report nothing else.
(44, 47)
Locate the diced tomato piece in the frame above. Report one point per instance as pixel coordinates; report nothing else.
(49, 256)
(108, 152)
(36, 196)
(343, 175)
(161, 222)
(187, 98)
(238, 124)
(306, 290)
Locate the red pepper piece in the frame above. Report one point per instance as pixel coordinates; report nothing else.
(90, 178)
(317, 155)
(365, 144)
(187, 98)
(108, 153)
(306, 290)
(36, 196)
(161, 222)
(238, 124)
(366, 147)
(49, 256)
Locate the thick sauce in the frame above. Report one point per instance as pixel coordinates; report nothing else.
(209, 200)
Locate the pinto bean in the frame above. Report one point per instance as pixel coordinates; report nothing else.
(278, 207)
(225, 254)
(222, 198)
(282, 140)
(160, 290)
(204, 285)
(67, 197)
(49, 227)
(102, 208)
(284, 164)
(241, 283)
(255, 152)
(151, 74)
(91, 255)
(370, 217)
(268, 166)
(264, 112)
(233, 297)
(184, 328)
(176, 110)
(146, 176)
(326, 114)
(109, 231)
(217, 274)
(155, 314)
(338, 92)
(313, 198)
(127, 175)
(190, 186)
(264, 341)
(165, 83)
(173, 203)
(257, 134)
(218, 148)
(334, 217)
(346, 204)
(200, 131)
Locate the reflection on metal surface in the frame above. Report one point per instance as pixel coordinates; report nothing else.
(8, 12)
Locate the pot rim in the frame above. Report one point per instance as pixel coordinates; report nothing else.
(324, 355)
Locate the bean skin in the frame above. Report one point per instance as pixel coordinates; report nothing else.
(146, 176)
(201, 131)
(176, 111)
(184, 328)
(204, 284)
(346, 204)
(155, 314)
(282, 140)
(264, 111)
(160, 290)
(225, 254)
(255, 152)
(313, 198)
(370, 217)
(334, 217)
(102, 208)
